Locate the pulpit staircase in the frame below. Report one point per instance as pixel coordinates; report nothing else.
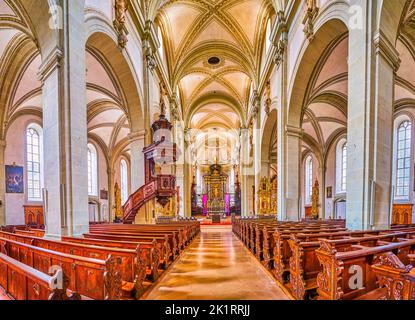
(160, 154)
(162, 188)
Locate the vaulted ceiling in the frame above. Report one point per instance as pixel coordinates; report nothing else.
(213, 49)
(108, 124)
(325, 117)
(405, 77)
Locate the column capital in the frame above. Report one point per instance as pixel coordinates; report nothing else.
(138, 135)
(52, 62)
(386, 49)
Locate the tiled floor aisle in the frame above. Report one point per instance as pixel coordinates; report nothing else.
(217, 267)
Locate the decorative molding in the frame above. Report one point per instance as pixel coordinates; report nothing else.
(294, 131)
(256, 103)
(149, 54)
(280, 38)
(52, 62)
(279, 54)
(384, 48)
(121, 7)
(268, 100)
(174, 110)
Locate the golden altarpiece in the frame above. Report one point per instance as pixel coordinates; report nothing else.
(216, 188)
(267, 196)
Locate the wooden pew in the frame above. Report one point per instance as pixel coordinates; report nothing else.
(92, 278)
(338, 268)
(136, 263)
(181, 236)
(283, 252)
(304, 265)
(186, 231)
(166, 243)
(22, 282)
(152, 253)
(175, 242)
(396, 278)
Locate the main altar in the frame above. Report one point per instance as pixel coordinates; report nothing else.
(216, 199)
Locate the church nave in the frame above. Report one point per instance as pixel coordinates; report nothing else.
(216, 266)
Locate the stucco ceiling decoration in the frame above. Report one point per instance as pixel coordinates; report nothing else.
(195, 31)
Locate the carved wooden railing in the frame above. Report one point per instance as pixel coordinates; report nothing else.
(397, 278)
(163, 186)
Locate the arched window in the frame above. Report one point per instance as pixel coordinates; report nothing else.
(34, 162)
(268, 36)
(92, 171)
(308, 179)
(343, 175)
(161, 48)
(124, 181)
(341, 166)
(403, 161)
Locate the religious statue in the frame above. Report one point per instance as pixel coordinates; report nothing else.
(308, 21)
(120, 8)
(215, 192)
(314, 200)
(118, 207)
(162, 104)
(268, 97)
(311, 4)
(251, 139)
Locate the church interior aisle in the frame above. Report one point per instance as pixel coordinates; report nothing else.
(217, 267)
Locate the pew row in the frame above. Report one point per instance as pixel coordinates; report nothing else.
(21, 282)
(289, 251)
(139, 263)
(91, 278)
(335, 281)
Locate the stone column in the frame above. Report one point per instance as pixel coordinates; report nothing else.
(322, 191)
(292, 173)
(65, 128)
(180, 182)
(280, 60)
(111, 197)
(257, 159)
(187, 174)
(247, 175)
(137, 144)
(2, 184)
(370, 125)
(180, 164)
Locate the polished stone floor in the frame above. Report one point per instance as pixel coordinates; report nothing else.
(3, 295)
(216, 267)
